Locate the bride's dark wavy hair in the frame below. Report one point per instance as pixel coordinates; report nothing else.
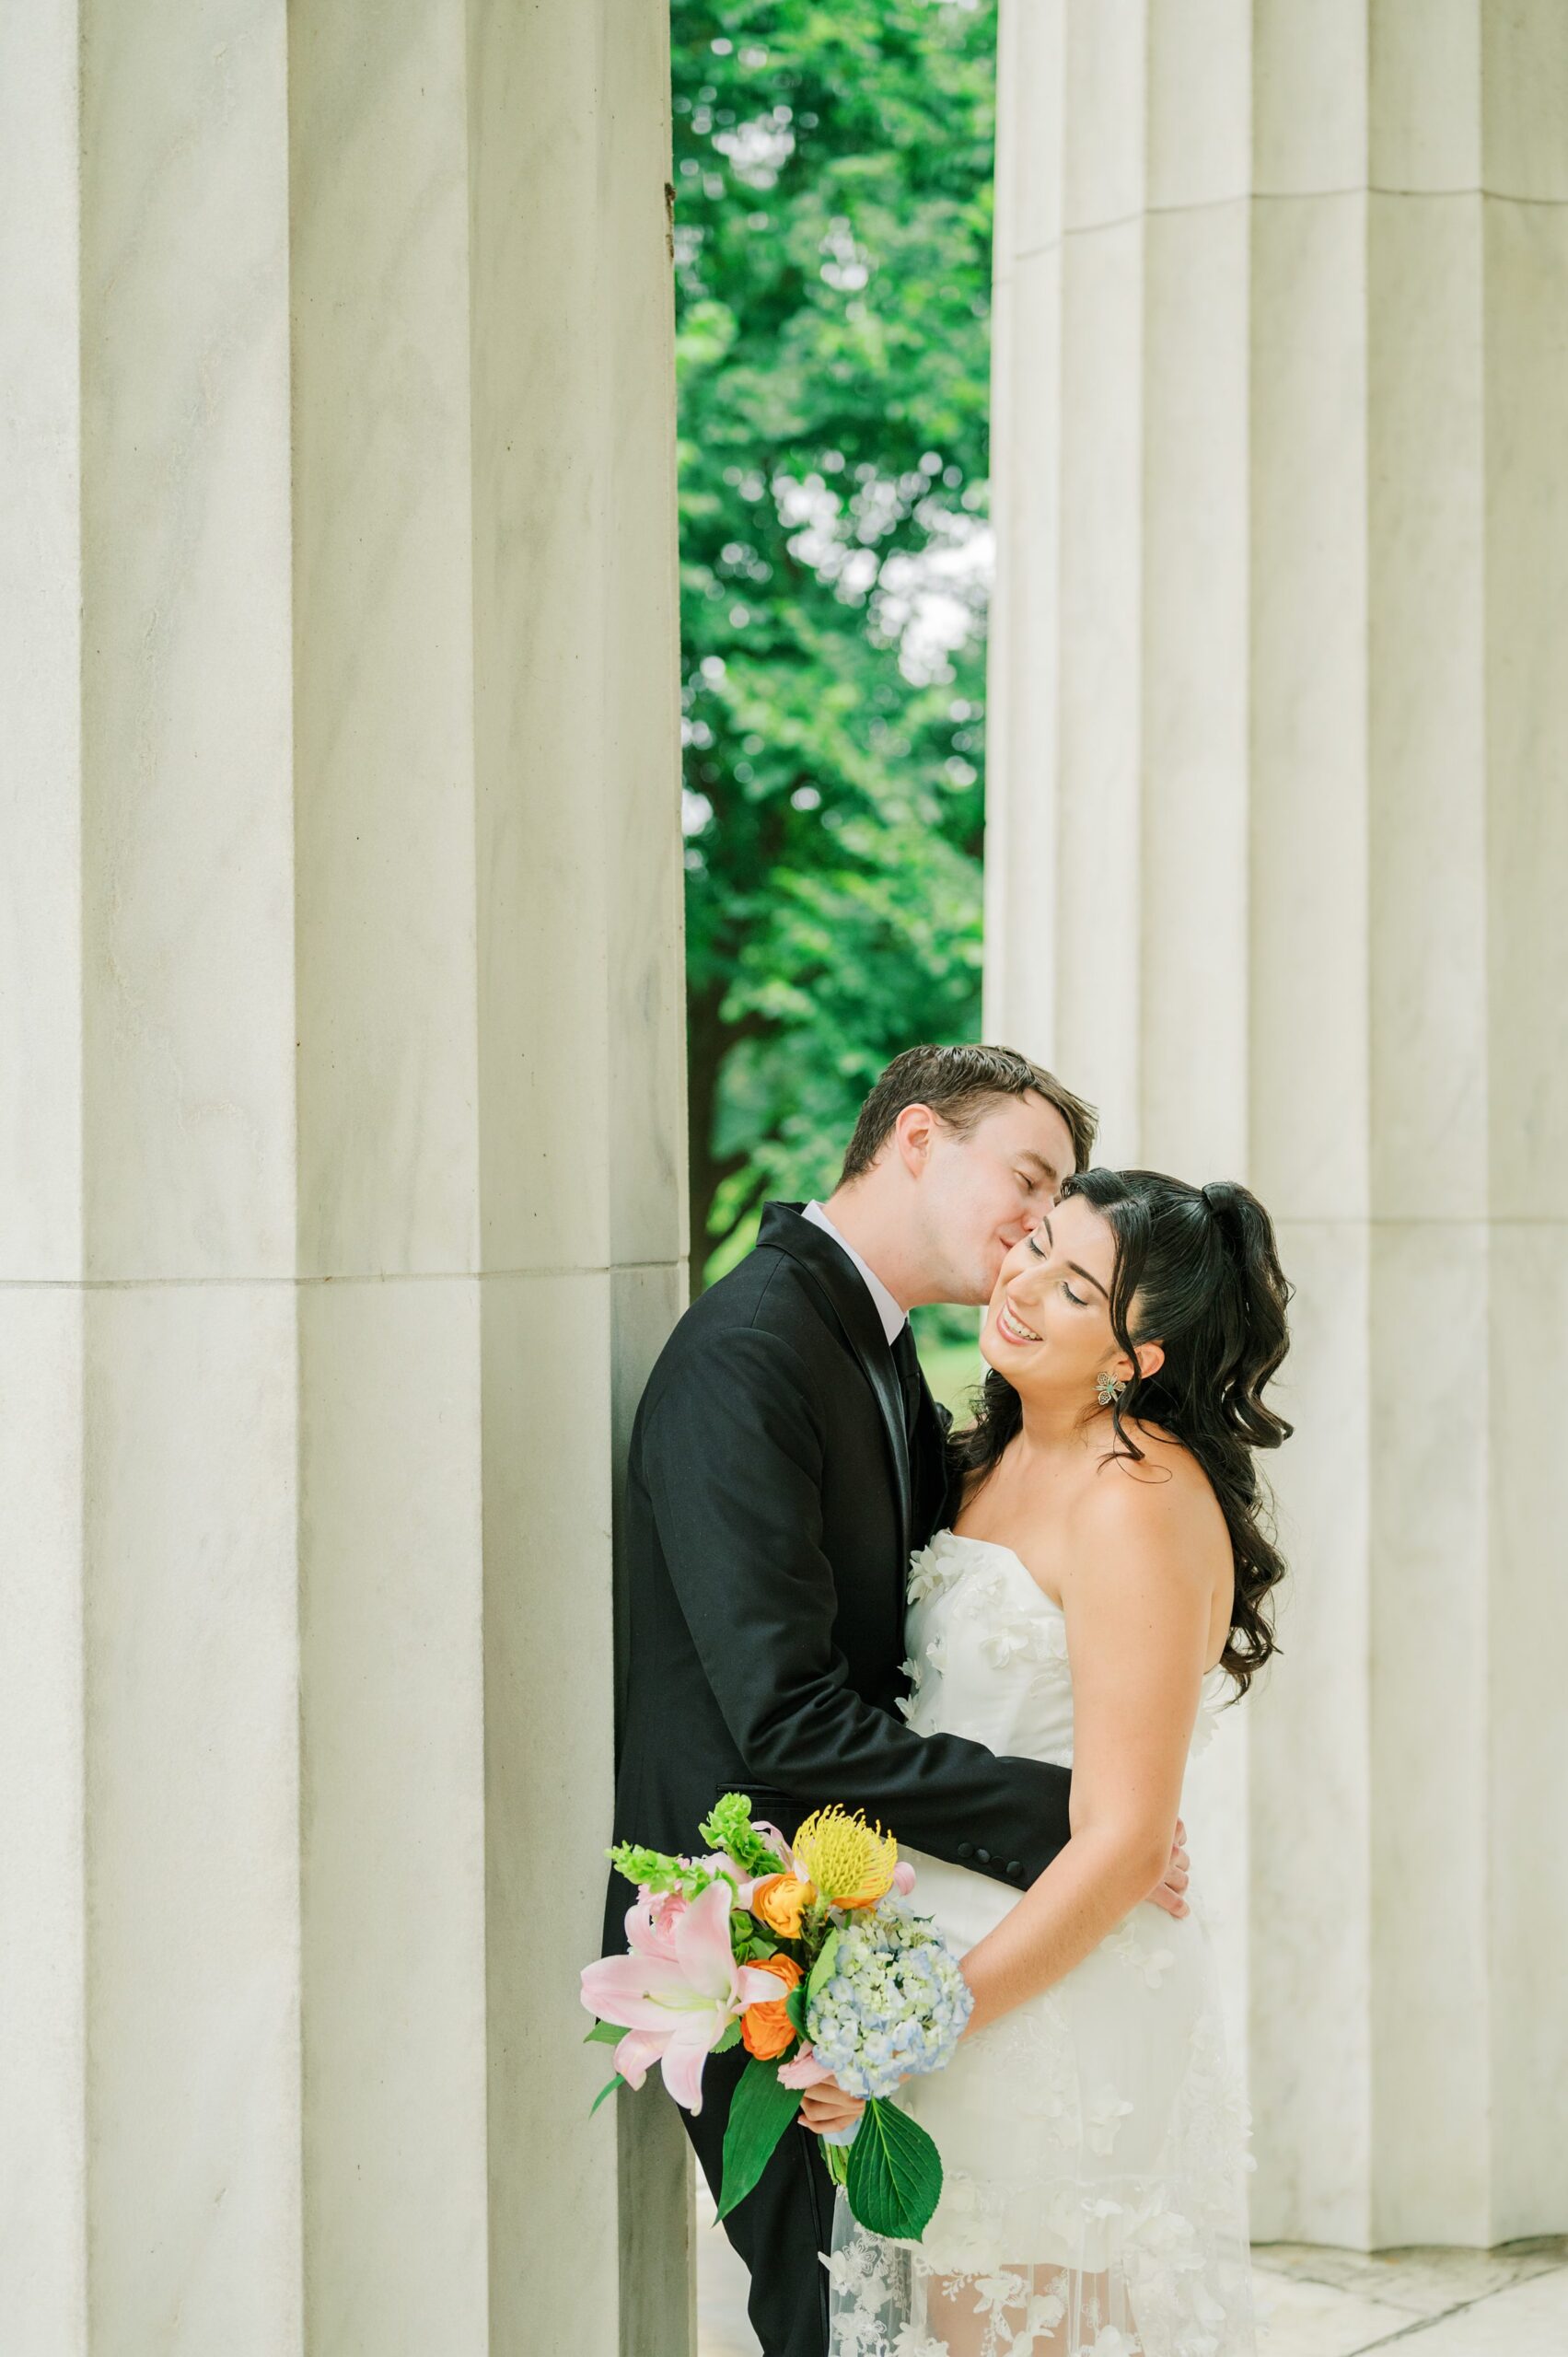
(1196, 1271)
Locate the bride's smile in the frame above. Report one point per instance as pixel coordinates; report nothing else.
(1012, 1326)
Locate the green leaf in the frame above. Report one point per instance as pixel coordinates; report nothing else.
(759, 2115)
(822, 1970)
(795, 2007)
(731, 2038)
(894, 2180)
(608, 2088)
(604, 2034)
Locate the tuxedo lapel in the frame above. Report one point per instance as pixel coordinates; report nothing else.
(929, 1480)
(835, 1277)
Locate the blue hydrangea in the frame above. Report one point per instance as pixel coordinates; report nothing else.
(895, 2004)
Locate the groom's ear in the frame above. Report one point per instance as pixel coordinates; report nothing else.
(914, 1134)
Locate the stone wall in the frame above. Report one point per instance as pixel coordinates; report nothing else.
(1277, 865)
(341, 1159)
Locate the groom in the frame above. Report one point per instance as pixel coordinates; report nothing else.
(785, 1459)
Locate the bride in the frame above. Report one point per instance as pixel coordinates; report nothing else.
(1102, 1591)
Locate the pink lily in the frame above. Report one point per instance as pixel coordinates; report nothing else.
(635, 2055)
(718, 1863)
(650, 1923)
(676, 2006)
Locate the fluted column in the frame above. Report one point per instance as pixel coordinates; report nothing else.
(340, 1166)
(1277, 833)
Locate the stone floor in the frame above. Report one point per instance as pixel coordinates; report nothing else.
(1507, 2303)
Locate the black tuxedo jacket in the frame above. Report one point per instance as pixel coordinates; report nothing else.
(772, 1502)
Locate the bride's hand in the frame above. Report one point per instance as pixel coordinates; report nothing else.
(827, 2106)
(1170, 1893)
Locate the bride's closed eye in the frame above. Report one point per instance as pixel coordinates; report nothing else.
(1079, 1301)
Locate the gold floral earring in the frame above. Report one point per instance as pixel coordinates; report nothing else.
(1108, 1388)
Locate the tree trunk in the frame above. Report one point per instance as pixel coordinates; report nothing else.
(708, 1041)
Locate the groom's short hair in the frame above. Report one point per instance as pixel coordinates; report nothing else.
(962, 1084)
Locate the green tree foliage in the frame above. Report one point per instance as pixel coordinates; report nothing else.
(833, 174)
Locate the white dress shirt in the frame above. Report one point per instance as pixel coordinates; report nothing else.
(893, 1316)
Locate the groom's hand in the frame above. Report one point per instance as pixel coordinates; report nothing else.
(1170, 1893)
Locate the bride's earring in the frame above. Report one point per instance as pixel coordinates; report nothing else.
(1108, 1388)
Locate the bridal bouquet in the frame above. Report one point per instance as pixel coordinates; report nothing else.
(809, 1956)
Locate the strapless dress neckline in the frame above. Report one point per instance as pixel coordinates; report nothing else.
(934, 1575)
(998, 1547)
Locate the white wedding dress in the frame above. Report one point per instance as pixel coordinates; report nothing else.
(1093, 2141)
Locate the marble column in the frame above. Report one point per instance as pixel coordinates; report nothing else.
(1278, 855)
(340, 1179)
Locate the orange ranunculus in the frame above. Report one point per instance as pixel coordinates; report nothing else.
(765, 2029)
(780, 1900)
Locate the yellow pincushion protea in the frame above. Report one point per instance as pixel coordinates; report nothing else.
(850, 1862)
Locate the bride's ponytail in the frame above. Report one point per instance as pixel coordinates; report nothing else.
(1263, 1296)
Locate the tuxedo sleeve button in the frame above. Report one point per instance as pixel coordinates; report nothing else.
(984, 1856)
(966, 1849)
(1015, 1868)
